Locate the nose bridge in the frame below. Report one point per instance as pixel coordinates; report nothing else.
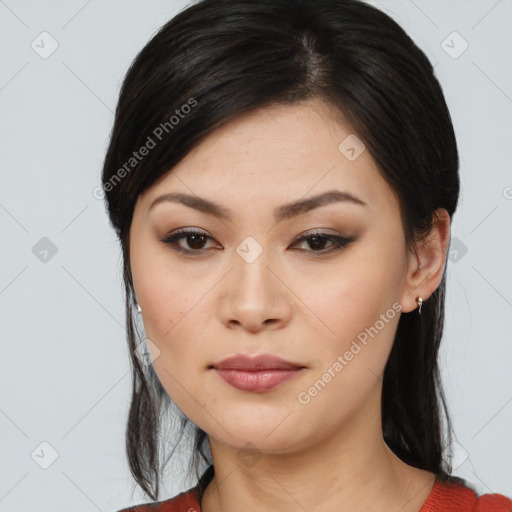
(251, 266)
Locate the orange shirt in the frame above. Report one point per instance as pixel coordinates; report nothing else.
(442, 498)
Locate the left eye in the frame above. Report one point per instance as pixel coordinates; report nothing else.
(318, 240)
(197, 239)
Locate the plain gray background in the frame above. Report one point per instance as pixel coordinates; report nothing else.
(64, 370)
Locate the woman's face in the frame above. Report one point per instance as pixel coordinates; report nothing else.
(251, 286)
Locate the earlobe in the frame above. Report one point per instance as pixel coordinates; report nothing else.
(427, 266)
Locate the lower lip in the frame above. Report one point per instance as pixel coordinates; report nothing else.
(257, 381)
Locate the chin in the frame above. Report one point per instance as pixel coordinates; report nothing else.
(259, 434)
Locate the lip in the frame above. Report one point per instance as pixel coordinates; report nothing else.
(247, 363)
(257, 381)
(257, 374)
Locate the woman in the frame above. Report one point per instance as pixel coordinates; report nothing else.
(282, 175)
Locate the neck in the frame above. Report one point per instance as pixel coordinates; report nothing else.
(351, 470)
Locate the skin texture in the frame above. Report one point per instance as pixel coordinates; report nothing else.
(294, 301)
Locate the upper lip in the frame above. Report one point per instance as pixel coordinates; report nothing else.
(260, 362)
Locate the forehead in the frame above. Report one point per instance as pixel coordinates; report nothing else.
(275, 155)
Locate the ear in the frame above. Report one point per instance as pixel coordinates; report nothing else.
(431, 255)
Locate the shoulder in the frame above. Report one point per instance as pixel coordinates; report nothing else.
(459, 497)
(493, 503)
(186, 501)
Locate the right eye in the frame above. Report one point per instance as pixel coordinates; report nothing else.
(194, 239)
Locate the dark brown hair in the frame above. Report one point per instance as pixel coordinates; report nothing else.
(218, 59)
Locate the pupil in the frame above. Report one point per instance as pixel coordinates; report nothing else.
(315, 240)
(195, 237)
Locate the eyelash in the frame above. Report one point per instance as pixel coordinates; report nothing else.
(173, 239)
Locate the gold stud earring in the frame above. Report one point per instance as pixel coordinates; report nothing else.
(419, 300)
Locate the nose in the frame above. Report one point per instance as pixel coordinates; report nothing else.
(254, 296)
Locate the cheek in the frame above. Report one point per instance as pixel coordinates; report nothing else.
(357, 316)
(173, 316)
(168, 300)
(177, 310)
(351, 296)
(348, 365)
(164, 294)
(161, 307)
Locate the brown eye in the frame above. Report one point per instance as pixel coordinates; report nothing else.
(318, 240)
(195, 242)
(194, 239)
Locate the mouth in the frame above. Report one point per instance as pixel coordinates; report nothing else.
(257, 381)
(256, 374)
(247, 363)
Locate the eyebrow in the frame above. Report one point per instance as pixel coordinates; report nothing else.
(285, 211)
